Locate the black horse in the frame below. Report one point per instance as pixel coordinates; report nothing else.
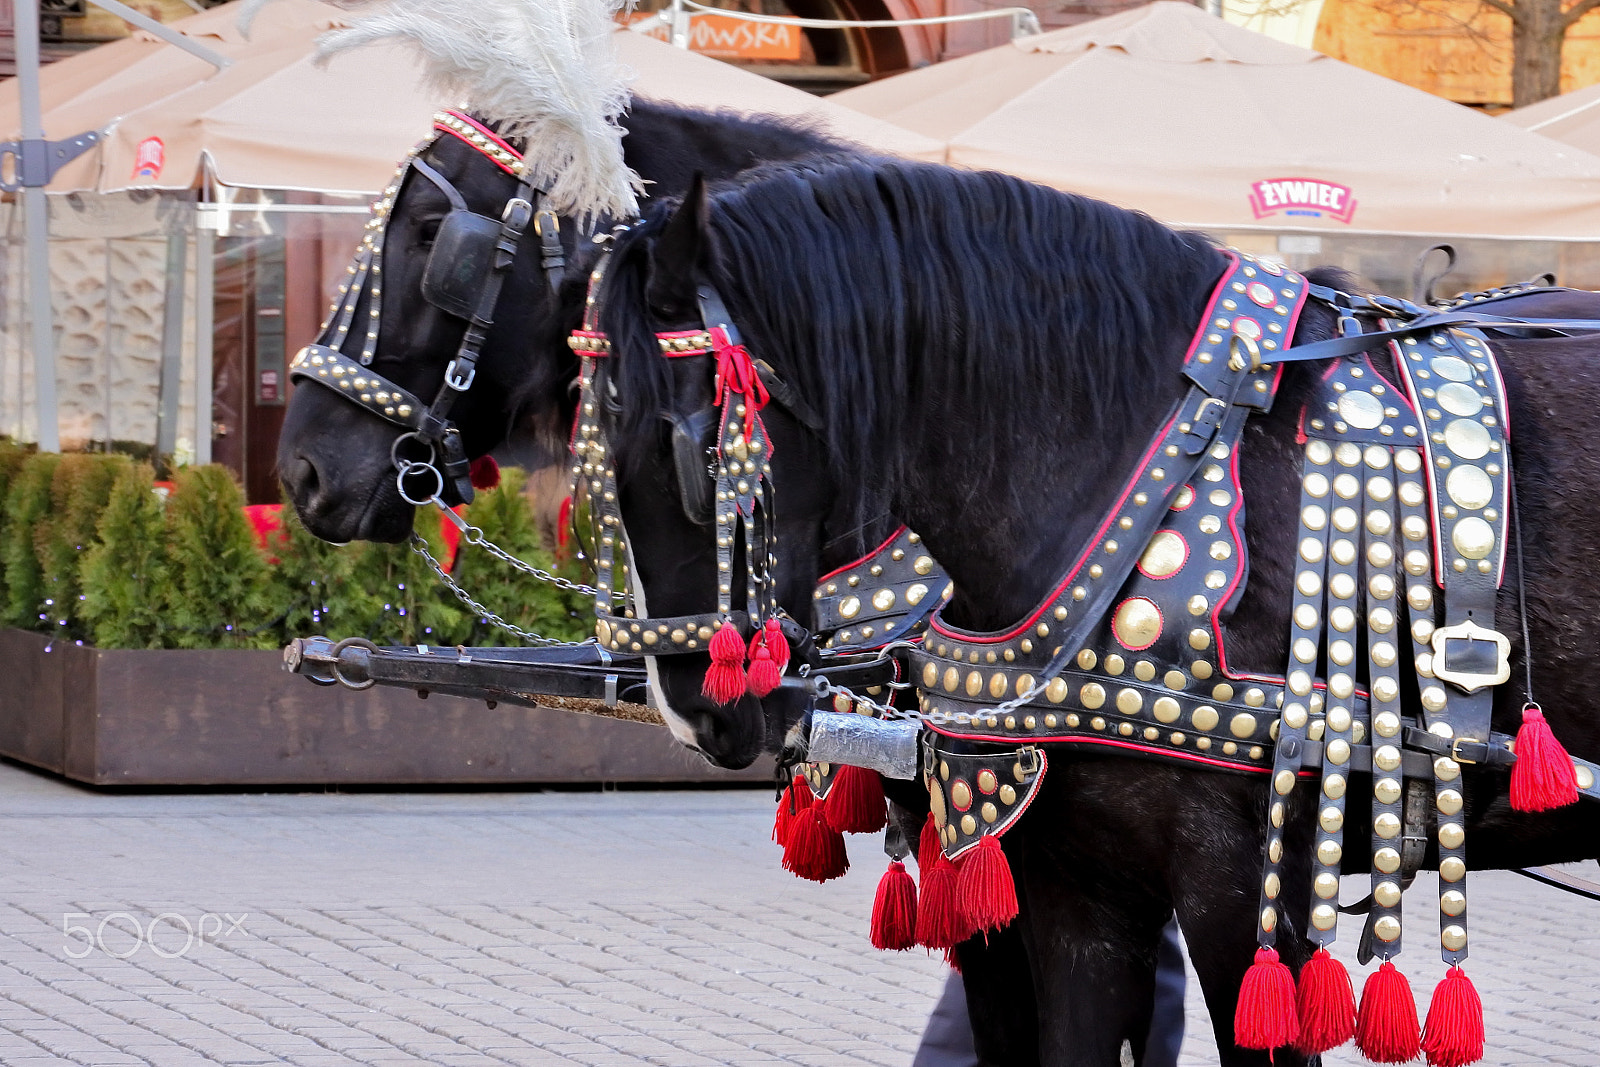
(334, 458)
(989, 359)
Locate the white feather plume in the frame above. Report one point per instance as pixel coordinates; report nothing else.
(545, 71)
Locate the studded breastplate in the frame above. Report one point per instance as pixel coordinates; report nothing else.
(1152, 673)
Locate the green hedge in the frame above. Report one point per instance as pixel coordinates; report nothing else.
(91, 552)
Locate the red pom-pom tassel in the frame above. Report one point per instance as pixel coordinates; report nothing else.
(1386, 1025)
(484, 473)
(1326, 1004)
(814, 852)
(855, 804)
(769, 655)
(984, 887)
(939, 921)
(764, 675)
(1543, 776)
(795, 799)
(894, 910)
(1453, 1036)
(725, 681)
(1265, 1015)
(927, 849)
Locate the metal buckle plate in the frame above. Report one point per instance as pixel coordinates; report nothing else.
(1471, 681)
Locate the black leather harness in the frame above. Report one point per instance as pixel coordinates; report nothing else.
(1127, 651)
(471, 257)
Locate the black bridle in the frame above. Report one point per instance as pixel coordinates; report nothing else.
(471, 257)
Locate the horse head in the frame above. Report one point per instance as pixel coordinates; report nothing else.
(430, 252)
(676, 418)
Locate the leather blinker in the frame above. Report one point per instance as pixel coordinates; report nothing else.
(460, 262)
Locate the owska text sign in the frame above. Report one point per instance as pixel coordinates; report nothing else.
(1305, 197)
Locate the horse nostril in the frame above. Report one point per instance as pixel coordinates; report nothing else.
(302, 478)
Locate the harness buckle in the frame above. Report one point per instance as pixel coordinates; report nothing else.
(1482, 657)
(516, 213)
(543, 218)
(1455, 749)
(1236, 362)
(454, 379)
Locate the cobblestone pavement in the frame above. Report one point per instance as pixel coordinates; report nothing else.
(330, 930)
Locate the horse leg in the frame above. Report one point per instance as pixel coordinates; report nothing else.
(1215, 893)
(1095, 916)
(1000, 1000)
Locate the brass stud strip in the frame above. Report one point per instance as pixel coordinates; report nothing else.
(1305, 619)
(1383, 659)
(1335, 623)
(1447, 790)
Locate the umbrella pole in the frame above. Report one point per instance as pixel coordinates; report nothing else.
(36, 230)
(205, 240)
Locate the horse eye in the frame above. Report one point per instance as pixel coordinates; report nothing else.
(428, 230)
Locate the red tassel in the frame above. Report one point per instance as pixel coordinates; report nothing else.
(764, 675)
(1265, 1016)
(769, 655)
(1326, 1004)
(1386, 1026)
(939, 923)
(1453, 1036)
(814, 851)
(484, 473)
(894, 910)
(1543, 776)
(984, 887)
(927, 849)
(855, 804)
(725, 681)
(795, 799)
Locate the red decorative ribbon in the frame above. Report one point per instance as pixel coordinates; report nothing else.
(736, 371)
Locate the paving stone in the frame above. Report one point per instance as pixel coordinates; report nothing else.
(547, 929)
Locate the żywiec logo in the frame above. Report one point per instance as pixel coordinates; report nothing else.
(1306, 197)
(149, 158)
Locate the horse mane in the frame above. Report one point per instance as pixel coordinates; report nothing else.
(875, 286)
(670, 143)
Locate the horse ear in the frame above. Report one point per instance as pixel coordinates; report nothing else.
(677, 255)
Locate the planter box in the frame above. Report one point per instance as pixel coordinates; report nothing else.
(179, 718)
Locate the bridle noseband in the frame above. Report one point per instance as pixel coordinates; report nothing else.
(471, 257)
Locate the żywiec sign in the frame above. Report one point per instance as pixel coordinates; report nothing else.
(1303, 197)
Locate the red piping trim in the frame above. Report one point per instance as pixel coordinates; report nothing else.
(856, 563)
(481, 128)
(1094, 542)
(1165, 753)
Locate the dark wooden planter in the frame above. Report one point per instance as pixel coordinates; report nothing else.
(114, 717)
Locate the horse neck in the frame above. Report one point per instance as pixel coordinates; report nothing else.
(1008, 528)
(1008, 511)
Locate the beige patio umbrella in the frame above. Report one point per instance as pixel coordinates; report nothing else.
(1201, 123)
(1571, 118)
(98, 89)
(276, 119)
